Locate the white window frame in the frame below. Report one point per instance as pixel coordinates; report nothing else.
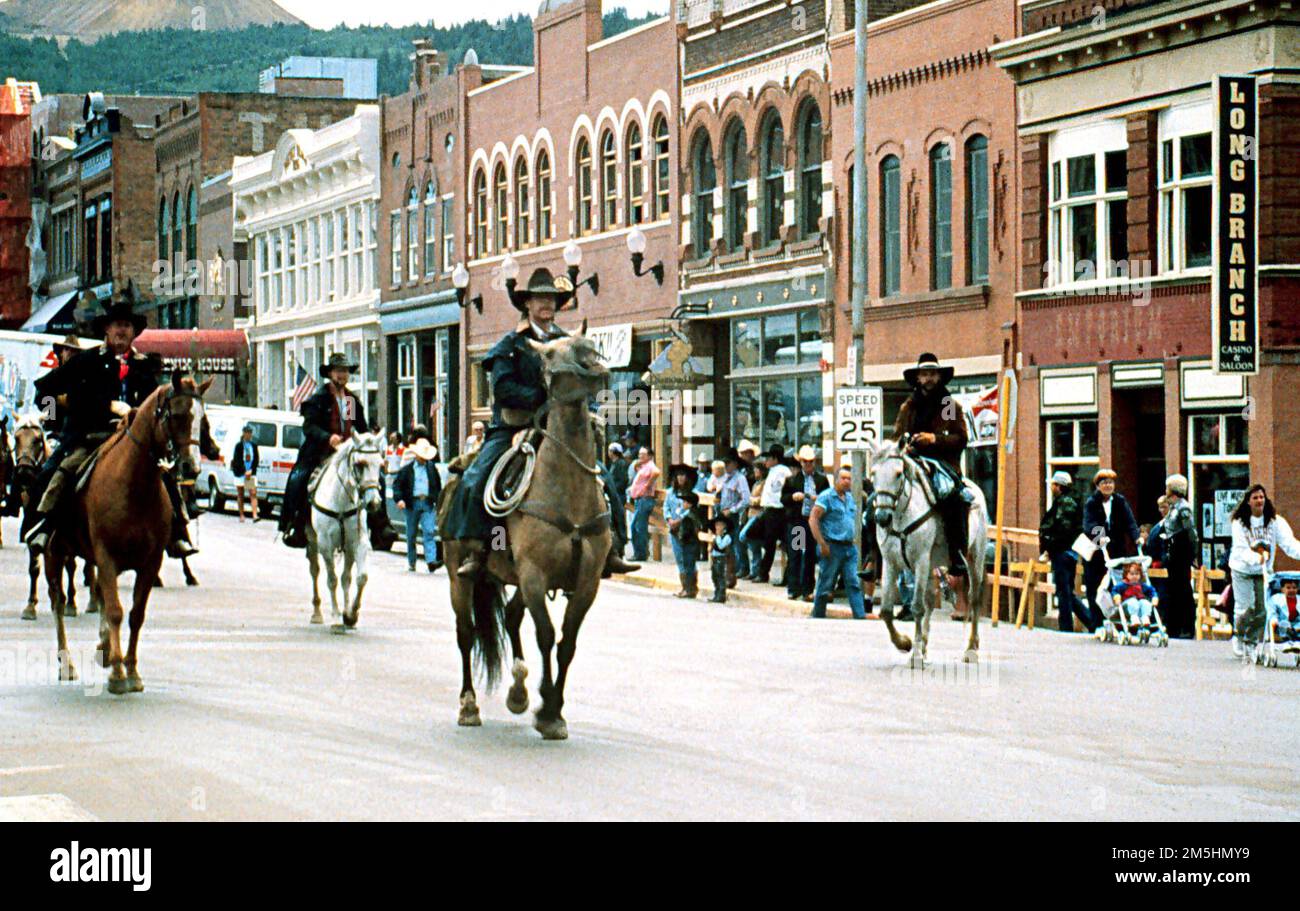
(413, 237)
(359, 248)
(430, 204)
(448, 232)
(395, 229)
(1096, 140)
(1069, 463)
(1171, 243)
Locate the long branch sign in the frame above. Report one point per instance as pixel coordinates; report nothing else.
(1234, 292)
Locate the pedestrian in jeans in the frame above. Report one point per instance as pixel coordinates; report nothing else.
(772, 517)
(416, 489)
(678, 514)
(641, 493)
(243, 465)
(1056, 534)
(832, 521)
(751, 528)
(733, 502)
(722, 544)
(798, 496)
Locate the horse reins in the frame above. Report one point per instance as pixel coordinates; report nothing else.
(909, 466)
(344, 479)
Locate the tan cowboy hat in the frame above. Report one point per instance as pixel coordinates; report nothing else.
(70, 343)
(748, 446)
(806, 454)
(425, 450)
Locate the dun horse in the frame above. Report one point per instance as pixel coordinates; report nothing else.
(559, 537)
(910, 535)
(31, 449)
(122, 517)
(346, 491)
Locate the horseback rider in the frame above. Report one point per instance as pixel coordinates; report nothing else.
(937, 429)
(328, 419)
(97, 388)
(518, 392)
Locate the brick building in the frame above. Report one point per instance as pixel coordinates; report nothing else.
(941, 192)
(1117, 127)
(578, 150)
(16, 143)
(418, 248)
(757, 217)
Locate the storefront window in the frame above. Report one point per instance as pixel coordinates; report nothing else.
(1072, 447)
(779, 349)
(781, 340)
(1220, 459)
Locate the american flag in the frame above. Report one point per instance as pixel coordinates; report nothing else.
(306, 386)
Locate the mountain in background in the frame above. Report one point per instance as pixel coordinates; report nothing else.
(183, 61)
(90, 20)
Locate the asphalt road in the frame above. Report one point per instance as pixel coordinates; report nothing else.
(675, 711)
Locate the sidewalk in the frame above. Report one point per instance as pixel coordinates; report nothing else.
(662, 576)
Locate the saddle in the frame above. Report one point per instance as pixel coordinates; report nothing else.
(94, 444)
(944, 481)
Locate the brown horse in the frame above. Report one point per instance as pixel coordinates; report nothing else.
(559, 538)
(31, 449)
(122, 517)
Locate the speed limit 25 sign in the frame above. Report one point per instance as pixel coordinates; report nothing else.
(859, 417)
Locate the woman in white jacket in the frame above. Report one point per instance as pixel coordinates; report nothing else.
(1257, 532)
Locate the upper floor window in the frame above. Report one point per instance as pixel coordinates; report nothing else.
(635, 176)
(663, 165)
(583, 159)
(891, 236)
(1087, 221)
(977, 210)
(941, 216)
(705, 180)
(480, 214)
(772, 166)
(192, 226)
(430, 228)
(737, 167)
(178, 223)
(523, 203)
(412, 234)
(810, 170)
(1186, 178)
(448, 235)
(162, 228)
(544, 222)
(608, 181)
(501, 200)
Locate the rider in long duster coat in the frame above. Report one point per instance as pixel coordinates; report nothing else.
(518, 392)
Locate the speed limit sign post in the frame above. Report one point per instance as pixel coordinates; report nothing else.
(859, 417)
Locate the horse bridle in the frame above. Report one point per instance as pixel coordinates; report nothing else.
(350, 481)
(895, 498)
(164, 407)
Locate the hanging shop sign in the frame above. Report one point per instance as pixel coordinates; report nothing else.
(1235, 284)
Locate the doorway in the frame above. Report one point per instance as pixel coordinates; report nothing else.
(1138, 445)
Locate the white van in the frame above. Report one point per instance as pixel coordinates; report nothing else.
(278, 434)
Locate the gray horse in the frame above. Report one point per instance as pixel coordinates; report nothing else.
(910, 534)
(346, 490)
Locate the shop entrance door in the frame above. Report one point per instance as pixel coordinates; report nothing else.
(1138, 444)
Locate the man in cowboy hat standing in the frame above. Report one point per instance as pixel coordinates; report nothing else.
(328, 419)
(99, 387)
(934, 422)
(798, 496)
(518, 391)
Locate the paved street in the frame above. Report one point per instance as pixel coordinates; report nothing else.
(675, 711)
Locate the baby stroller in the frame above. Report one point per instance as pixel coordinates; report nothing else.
(1270, 651)
(1116, 625)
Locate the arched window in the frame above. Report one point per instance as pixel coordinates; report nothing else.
(178, 224)
(523, 203)
(635, 176)
(192, 226)
(583, 159)
(608, 181)
(941, 216)
(430, 228)
(736, 162)
(662, 165)
(977, 210)
(501, 200)
(480, 214)
(705, 178)
(891, 238)
(544, 222)
(772, 165)
(810, 169)
(413, 233)
(162, 228)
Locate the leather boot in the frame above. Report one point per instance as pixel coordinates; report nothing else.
(681, 577)
(38, 538)
(179, 547)
(692, 585)
(955, 530)
(473, 563)
(615, 563)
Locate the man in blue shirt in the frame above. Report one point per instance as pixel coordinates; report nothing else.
(733, 502)
(416, 490)
(832, 521)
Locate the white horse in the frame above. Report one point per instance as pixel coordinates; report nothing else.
(910, 533)
(346, 489)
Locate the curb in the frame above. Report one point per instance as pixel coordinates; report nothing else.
(769, 604)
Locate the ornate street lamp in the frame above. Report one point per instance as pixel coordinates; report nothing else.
(636, 243)
(573, 259)
(460, 278)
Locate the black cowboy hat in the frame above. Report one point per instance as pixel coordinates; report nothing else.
(692, 473)
(724, 519)
(543, 284)
(337, 360)
(927, 361)
(734, 456)
(776, 452)
(122, 307)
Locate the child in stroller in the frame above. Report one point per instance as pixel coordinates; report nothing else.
(1283, 634)
(1132, 599)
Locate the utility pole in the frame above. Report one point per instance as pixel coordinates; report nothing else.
(859, 239)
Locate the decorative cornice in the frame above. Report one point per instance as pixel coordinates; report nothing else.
(926, 72)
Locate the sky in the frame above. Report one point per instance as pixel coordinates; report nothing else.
(328, 13)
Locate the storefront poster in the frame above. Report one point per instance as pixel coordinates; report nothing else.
(980, 410)
(1225, 501)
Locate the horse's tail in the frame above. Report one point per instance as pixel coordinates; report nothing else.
(489, 634)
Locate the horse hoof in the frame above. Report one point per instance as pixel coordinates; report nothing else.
(118, 686)
(93, 608)
(69, 610)
(133, 683)
(517, 700)
(469, 717)
(552, 728)
(317, 619)
(903, 644)
(191, 581)
(971, 656)
(338, 629)
(350, 620)
(916, 662)
(29, 612)
(67, 673)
